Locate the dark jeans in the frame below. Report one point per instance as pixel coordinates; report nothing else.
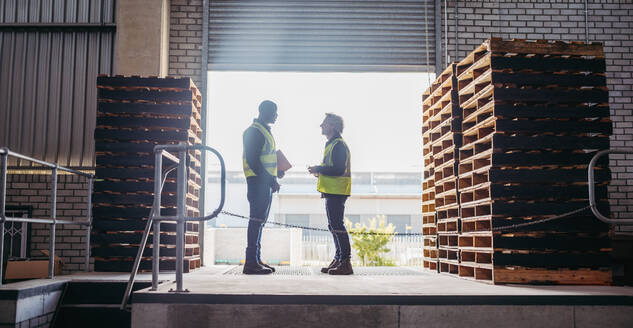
(335, 209)
(259, 197)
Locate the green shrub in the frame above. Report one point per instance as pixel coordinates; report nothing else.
(371, 248)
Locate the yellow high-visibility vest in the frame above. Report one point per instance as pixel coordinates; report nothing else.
(336, 185)
(268, 156)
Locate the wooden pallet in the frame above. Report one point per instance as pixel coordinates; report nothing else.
(534, 113)
(441, 139)
(443, 136)
(134, 115)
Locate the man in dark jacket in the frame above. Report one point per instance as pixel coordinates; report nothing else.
(335, 182)
(260, 168)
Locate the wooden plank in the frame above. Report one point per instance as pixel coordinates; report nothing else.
(104, 225)
(545, 176)
(165, 264)
(145, 122)
(125, 147)
(131, 186)
(144, 108)
(554, 260)
(126, 212)
(124, 159)
(553, 126)
(552, 277)
(544, 159)
(552, 112)
(162, 137)
(542, 208)
(549, 79)
(138, 81)
(131, 173)
(132, 159)
(544, 191)
(549, 142)
(577, 223)
(131, 251)
(558, 242)
(147, 95)
(548, 64)
(140, 199)
(551, 96)
(135, 238)
(545, 48)
(131, 147)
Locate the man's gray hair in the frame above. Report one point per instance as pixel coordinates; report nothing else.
(336, 121)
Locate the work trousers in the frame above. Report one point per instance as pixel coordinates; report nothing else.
(335, 209)
(259, 196)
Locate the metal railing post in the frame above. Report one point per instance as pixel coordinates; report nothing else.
(51, 239)
(181, 214)
(89, 226)
(3, 213)
(158, 178)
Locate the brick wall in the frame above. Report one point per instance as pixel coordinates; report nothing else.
(609, 21)
(35, 190)
(185, 39)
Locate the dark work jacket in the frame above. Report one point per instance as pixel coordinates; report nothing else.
(339, 158)
(253, 142)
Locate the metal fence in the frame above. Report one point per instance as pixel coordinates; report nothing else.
(403, 250)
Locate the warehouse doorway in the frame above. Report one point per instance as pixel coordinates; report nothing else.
(381, 111)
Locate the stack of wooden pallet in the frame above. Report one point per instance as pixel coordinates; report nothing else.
(442, 134)
(534, 113)
(134, 115)
(429, 224)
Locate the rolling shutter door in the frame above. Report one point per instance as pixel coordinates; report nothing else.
(302, 35)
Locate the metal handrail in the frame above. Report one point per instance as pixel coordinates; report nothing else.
(4, 154)
(155, 218)
(181, 217)
(592, 183)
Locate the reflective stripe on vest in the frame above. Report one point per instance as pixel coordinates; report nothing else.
(336, 185)
(268, 156)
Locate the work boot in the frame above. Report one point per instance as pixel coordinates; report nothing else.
(343, 268)
(332, 265)
(266, 266)
(255, 269)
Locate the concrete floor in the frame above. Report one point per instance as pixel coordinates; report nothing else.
(223, 280)
(221, 297)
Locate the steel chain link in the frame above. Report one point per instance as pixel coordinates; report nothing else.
(502, 228)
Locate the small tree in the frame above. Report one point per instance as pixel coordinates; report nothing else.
(371, 248)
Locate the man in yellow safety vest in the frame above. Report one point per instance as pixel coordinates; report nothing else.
(335, 182)
(260, 168)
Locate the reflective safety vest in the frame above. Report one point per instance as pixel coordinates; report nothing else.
(335, 185)
(268, 156)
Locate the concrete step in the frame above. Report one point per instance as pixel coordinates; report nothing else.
(92, 315)
(94, 304)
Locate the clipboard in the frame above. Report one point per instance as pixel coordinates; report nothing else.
(282, 162)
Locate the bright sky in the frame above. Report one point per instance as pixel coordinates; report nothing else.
(382, 114)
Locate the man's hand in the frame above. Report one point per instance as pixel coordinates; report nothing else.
(275, 187)
(313, 170)
(280, 174)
